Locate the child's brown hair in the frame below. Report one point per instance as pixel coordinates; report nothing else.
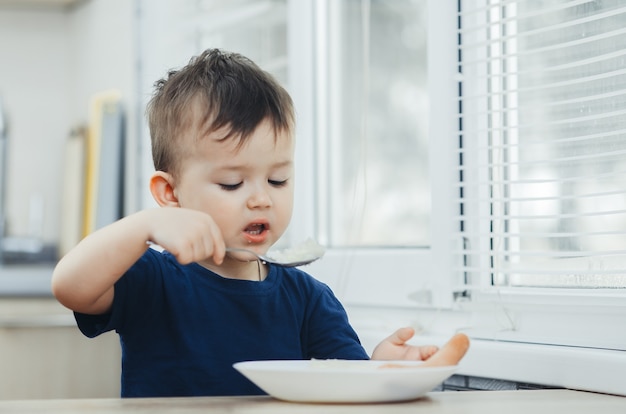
(215, 90)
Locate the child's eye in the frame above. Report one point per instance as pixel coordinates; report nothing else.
(277, 183)
(230, 187)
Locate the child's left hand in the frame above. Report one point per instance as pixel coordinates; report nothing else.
(394, 347)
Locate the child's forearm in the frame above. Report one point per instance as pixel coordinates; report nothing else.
(83, 279)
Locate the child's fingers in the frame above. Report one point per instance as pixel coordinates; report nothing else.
(451, 353)
(400, 336)
(218, 245)
(428, 351)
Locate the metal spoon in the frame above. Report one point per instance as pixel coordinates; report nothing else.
(294, 255)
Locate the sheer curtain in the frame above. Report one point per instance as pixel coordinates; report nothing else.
(542, 143)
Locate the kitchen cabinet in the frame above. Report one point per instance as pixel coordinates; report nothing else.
(44, 355)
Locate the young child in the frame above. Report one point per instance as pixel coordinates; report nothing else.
(223, 149)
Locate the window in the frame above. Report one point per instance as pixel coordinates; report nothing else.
(542, 171)
(372, 113)
(543, 143)
(359, 77)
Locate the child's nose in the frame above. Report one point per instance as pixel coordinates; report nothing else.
(259, 198)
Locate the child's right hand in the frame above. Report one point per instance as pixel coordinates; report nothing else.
(189, 235)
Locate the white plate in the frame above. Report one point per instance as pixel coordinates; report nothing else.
(342, 381)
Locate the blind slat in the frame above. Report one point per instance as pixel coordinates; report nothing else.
(503, 199)
(513, 235)
(553, 162)
(490, 217)
(508, 128)
(541, 253)
(621, 272)
(462, 185)
(557, 141)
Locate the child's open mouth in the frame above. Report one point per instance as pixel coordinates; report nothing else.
(256, 232)
(255, 229)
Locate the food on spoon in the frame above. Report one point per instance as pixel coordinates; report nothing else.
(449, 354)
(307, 250)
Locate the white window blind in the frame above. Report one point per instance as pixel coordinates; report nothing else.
(542, 143)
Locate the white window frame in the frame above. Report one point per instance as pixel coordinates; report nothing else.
(398, 277)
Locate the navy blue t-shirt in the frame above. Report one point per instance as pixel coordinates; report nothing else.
(182, 327)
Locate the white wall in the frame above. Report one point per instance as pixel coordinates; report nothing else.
(34, 85)
(51, 62)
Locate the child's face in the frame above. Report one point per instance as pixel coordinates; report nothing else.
(248, 191)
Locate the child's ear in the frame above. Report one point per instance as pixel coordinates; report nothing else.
(162, 189)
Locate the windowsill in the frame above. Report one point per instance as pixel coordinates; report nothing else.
(569, 367)
(577, 368)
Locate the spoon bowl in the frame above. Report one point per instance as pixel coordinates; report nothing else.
(299, 255)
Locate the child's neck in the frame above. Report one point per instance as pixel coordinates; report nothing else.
(235, 269)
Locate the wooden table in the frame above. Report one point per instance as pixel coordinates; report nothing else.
(466, 402)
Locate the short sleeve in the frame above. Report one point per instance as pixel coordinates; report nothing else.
(134, 292)
(329, 333)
